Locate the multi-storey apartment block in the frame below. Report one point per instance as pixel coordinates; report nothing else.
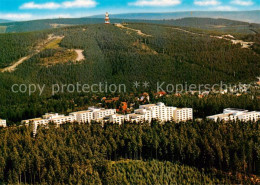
(165, 113)
(99, 113)
(92, 114)
(145, 113)
(83, 116)
(230, 114)
(135, 117)
(48, 118)
(182, 114)
(2, 123)
(117, 118)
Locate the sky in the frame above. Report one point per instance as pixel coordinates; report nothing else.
(41, 9)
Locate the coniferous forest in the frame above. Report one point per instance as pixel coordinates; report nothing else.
(192, 152)
(196, 152)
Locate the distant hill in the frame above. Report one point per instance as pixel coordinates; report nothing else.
(4, 21)
(43, 24)
(223, 25)
(35, 25)
(247, 16)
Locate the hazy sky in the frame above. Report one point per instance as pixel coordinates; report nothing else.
(36, 9)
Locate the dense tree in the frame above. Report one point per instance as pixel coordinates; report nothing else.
(76, 152)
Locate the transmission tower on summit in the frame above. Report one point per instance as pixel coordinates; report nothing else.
(107, 21)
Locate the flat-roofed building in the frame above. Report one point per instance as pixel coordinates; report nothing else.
(35, 121)
(117, 118)
(135, 117)
(63, 119)
(159, 111)
(83, 116)
(170, 113)
(220, 117)
(101, 112)
(182, 114)
(47, 118)
(167, 113)
(234, 111)
(230, 114)
(249, 116)
(146, 113)
(58, 118)
(153, 108)
(2, 123)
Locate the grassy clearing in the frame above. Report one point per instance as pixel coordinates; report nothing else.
(143, 48)
(59, 56)
(54, 44)
(3, 29)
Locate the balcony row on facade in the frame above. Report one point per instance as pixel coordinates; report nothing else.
(145, 113)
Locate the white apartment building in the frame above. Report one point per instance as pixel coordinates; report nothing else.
(249, 116)
(2, 123)
(224, 117)
(117, 118)
(182, 114)
(165, 113)
(135, 117)
(170, 112)
(159, 111)
(47, 118)
(99, 113)
(63, 119)
(230, 114)
(144, 113)
(147, 114)
(92, 114)
(83, 116)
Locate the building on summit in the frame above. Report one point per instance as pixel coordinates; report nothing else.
(107, 20)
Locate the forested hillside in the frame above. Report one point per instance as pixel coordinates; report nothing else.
(16, 46)
(197, 152)
(220, 25)
(120, 55)
(193, 152)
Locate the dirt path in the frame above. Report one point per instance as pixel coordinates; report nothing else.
(13, 67)
(225, 37)
(37, 50)
(139, 32)
(80, 55)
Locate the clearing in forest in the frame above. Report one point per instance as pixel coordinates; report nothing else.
(13, 67)
(60, 25)
(50, 43)
(3, 29)
(225, 37)
(144, 48)
(139, 32)
(80, 55)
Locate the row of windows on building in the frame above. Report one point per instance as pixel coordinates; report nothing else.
(145, 113)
